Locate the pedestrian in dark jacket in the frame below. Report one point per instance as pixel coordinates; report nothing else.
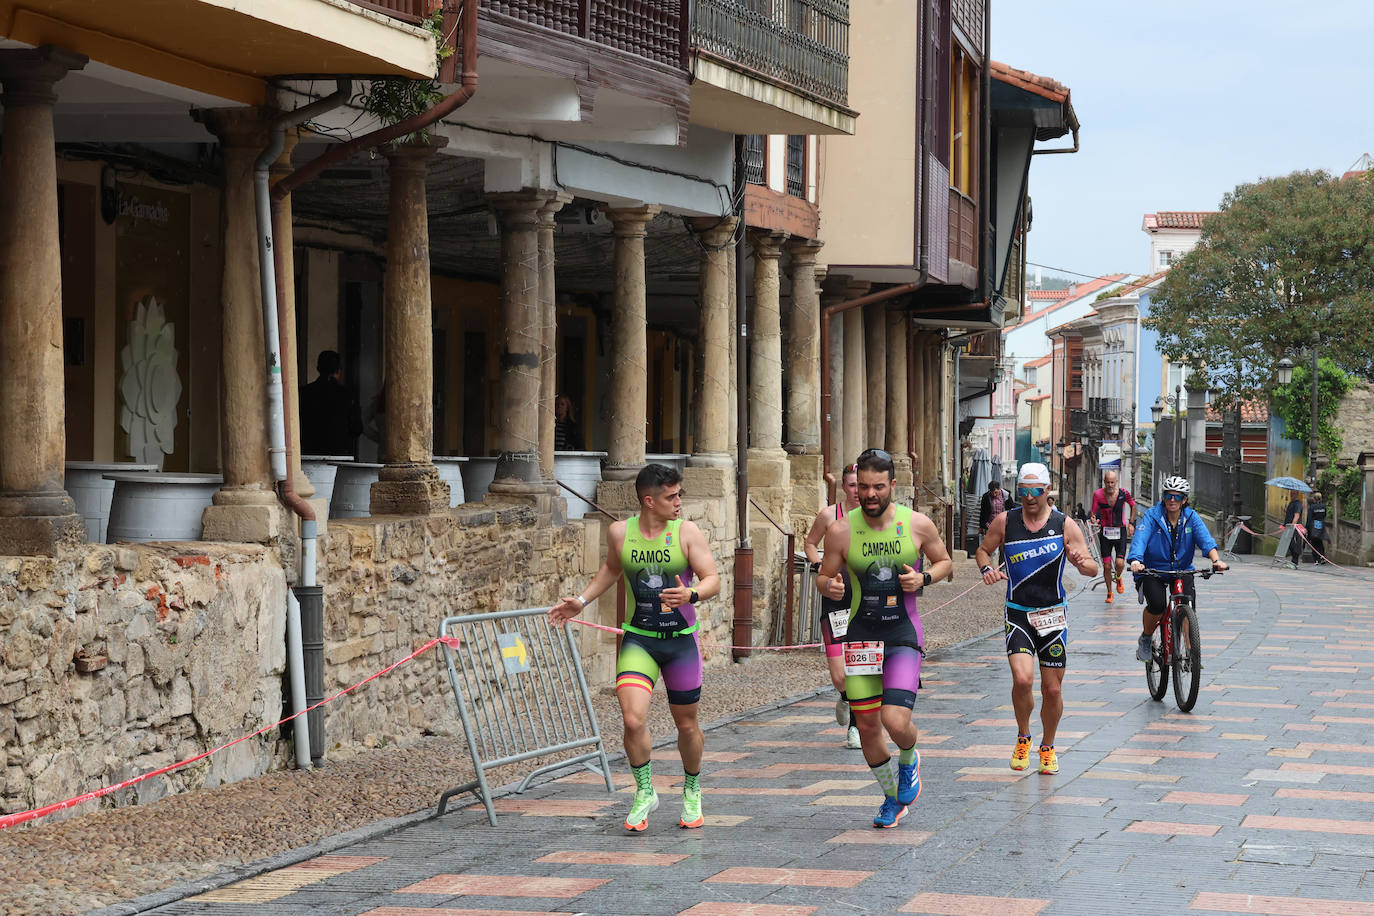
(1316, 527)
(1293, 516)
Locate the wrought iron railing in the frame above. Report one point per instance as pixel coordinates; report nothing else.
(802, 44)
(654, 29)
(755, 160)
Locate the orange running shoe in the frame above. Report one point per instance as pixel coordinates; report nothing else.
(1049, 763)
(1020, 757)
(1110, 596)
(1120, 586)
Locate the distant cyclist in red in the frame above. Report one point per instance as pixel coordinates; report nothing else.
(1113, 511)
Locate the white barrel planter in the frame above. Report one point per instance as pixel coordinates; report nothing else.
(91, 491)
(477, 477)
(321, 471)
(451, 469)
(673, 461)
(159, 506)
(581, 471)
(353, 489)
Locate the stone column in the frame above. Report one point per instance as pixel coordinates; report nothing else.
(832, 293)
(765, 346)
(548, 322)
(897, 397)
(286, 306)
(732, 424)
(517, 439)
(36, 513)
(629, 347)
(245, 508)
(712, 406)
(408, 483)
(876, 394)
(918, 368)
(855, 414)
(804, 352)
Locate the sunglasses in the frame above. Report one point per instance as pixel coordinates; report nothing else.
(1175, 497)
(1033, 492)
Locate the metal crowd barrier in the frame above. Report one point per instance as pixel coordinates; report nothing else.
(808, 601)
(521, 693)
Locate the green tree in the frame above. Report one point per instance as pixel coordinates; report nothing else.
(1293, 402)
(1286, 262)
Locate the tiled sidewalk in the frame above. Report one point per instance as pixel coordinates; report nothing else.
(1259, 801)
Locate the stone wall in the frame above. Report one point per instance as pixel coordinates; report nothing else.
(1355, 419)
(117, 660)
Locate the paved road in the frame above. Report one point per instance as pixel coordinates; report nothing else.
(1259, 801)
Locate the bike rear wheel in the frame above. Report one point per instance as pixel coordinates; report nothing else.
(1187, 660)
(1156, 677)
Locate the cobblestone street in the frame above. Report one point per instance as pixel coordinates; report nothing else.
(1256, 802)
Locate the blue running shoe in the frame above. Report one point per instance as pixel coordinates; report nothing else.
(890, 813)
(909, 781)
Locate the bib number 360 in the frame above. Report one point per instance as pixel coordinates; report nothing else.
(862, 658)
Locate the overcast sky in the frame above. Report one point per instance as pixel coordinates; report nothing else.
(1180, 102)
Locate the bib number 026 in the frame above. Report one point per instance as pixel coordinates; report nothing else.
(861, 658)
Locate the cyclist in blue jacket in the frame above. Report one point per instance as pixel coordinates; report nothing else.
(1165, 539)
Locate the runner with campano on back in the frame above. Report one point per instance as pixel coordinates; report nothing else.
(1039, 541)
(658, 554)
(881, 546)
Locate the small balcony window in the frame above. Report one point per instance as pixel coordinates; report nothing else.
(756, 159)
(796, 166)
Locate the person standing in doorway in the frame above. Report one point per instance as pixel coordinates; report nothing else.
(881, 546)
(668, 570)
(1293, 516)
(1113, 512)
(1038, 542)
(835, 614)
(330, 419)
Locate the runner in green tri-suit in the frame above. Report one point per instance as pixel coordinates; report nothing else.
(882, 548)
(659, 555)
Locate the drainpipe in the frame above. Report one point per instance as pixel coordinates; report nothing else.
(880, 296)
(270, 264)
(743, 628)
(269, 216)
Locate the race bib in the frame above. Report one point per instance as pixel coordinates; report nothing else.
(1047, 621)
(862, 658)
(839, 623)
(1112, 534)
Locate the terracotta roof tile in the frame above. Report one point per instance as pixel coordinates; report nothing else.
(1037, 363)
(1177, 219)
(1038, 397)
(1250, 412)
(1023, 79)
(1089, 288)
(1047, 294)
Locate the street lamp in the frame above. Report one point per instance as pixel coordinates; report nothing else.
(1285, 371)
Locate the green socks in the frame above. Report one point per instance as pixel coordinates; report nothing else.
(886, 776)
(906, 756)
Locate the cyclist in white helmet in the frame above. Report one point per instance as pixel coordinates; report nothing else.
(1168, 534)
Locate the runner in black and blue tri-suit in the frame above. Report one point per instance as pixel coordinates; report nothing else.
(1038, 541)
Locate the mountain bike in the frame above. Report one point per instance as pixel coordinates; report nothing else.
(1177, 642)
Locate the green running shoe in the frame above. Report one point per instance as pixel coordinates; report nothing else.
(691, 809)
(644, 802)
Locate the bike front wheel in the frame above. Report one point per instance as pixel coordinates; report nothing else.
(1187, 660)
(1156, 677)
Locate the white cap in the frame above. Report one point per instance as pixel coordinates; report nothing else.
(1034, 474)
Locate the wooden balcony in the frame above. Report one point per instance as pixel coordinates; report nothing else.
(963, 228)
(412, 11)
(656, 30)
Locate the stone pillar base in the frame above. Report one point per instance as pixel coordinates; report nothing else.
(40, 535)
(617, 496)
(710, 460)
(423, 496)
(538, 496)
(621, 472)
(808, 490)
(244, 515)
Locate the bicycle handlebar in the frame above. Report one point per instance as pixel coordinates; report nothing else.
(1170, 573)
